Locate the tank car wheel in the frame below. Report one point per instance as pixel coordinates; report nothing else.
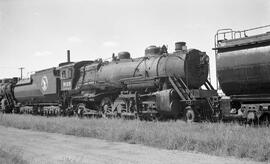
(190, 115)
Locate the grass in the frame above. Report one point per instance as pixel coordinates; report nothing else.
(11, 155)
(210, 138)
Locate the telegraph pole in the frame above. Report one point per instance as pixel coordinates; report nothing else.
(21, 68)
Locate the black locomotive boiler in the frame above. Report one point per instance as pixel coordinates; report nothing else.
(157, 85)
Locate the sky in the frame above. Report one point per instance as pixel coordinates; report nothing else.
(35, 34)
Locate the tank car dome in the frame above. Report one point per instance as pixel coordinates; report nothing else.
(124, 55)
(152, 50)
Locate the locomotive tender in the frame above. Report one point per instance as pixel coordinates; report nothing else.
(157, 85)
(243, 72)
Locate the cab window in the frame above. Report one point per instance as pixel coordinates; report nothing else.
(66, 73)
(63, 74)
(69, 73)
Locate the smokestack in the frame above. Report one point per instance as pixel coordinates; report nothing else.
(68, 56)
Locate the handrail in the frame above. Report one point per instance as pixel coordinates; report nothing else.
(255, 28)
(233, 34)
(181, 88)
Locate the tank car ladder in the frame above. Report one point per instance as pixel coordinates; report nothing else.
(181, 88)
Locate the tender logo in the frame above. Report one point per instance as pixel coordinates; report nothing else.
(44, 83)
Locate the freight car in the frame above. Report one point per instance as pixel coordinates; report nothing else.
(243, 71)
(157, 85)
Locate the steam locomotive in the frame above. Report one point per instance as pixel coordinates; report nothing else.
(157, 85)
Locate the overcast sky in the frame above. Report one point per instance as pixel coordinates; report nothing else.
(35, 34)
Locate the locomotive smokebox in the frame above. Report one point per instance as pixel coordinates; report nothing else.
(68, 56)
(180, 46)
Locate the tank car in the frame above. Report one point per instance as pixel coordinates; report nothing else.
(243, 64)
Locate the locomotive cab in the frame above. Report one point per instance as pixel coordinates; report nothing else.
(66, 75)
(70, 74)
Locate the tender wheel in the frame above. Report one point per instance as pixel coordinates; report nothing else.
(251, 118)
(265, 120)
(190, 115)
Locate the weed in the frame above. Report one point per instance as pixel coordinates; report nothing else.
(210, 138)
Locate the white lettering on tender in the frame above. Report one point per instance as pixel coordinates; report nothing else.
(67, 84)
(44, 83)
